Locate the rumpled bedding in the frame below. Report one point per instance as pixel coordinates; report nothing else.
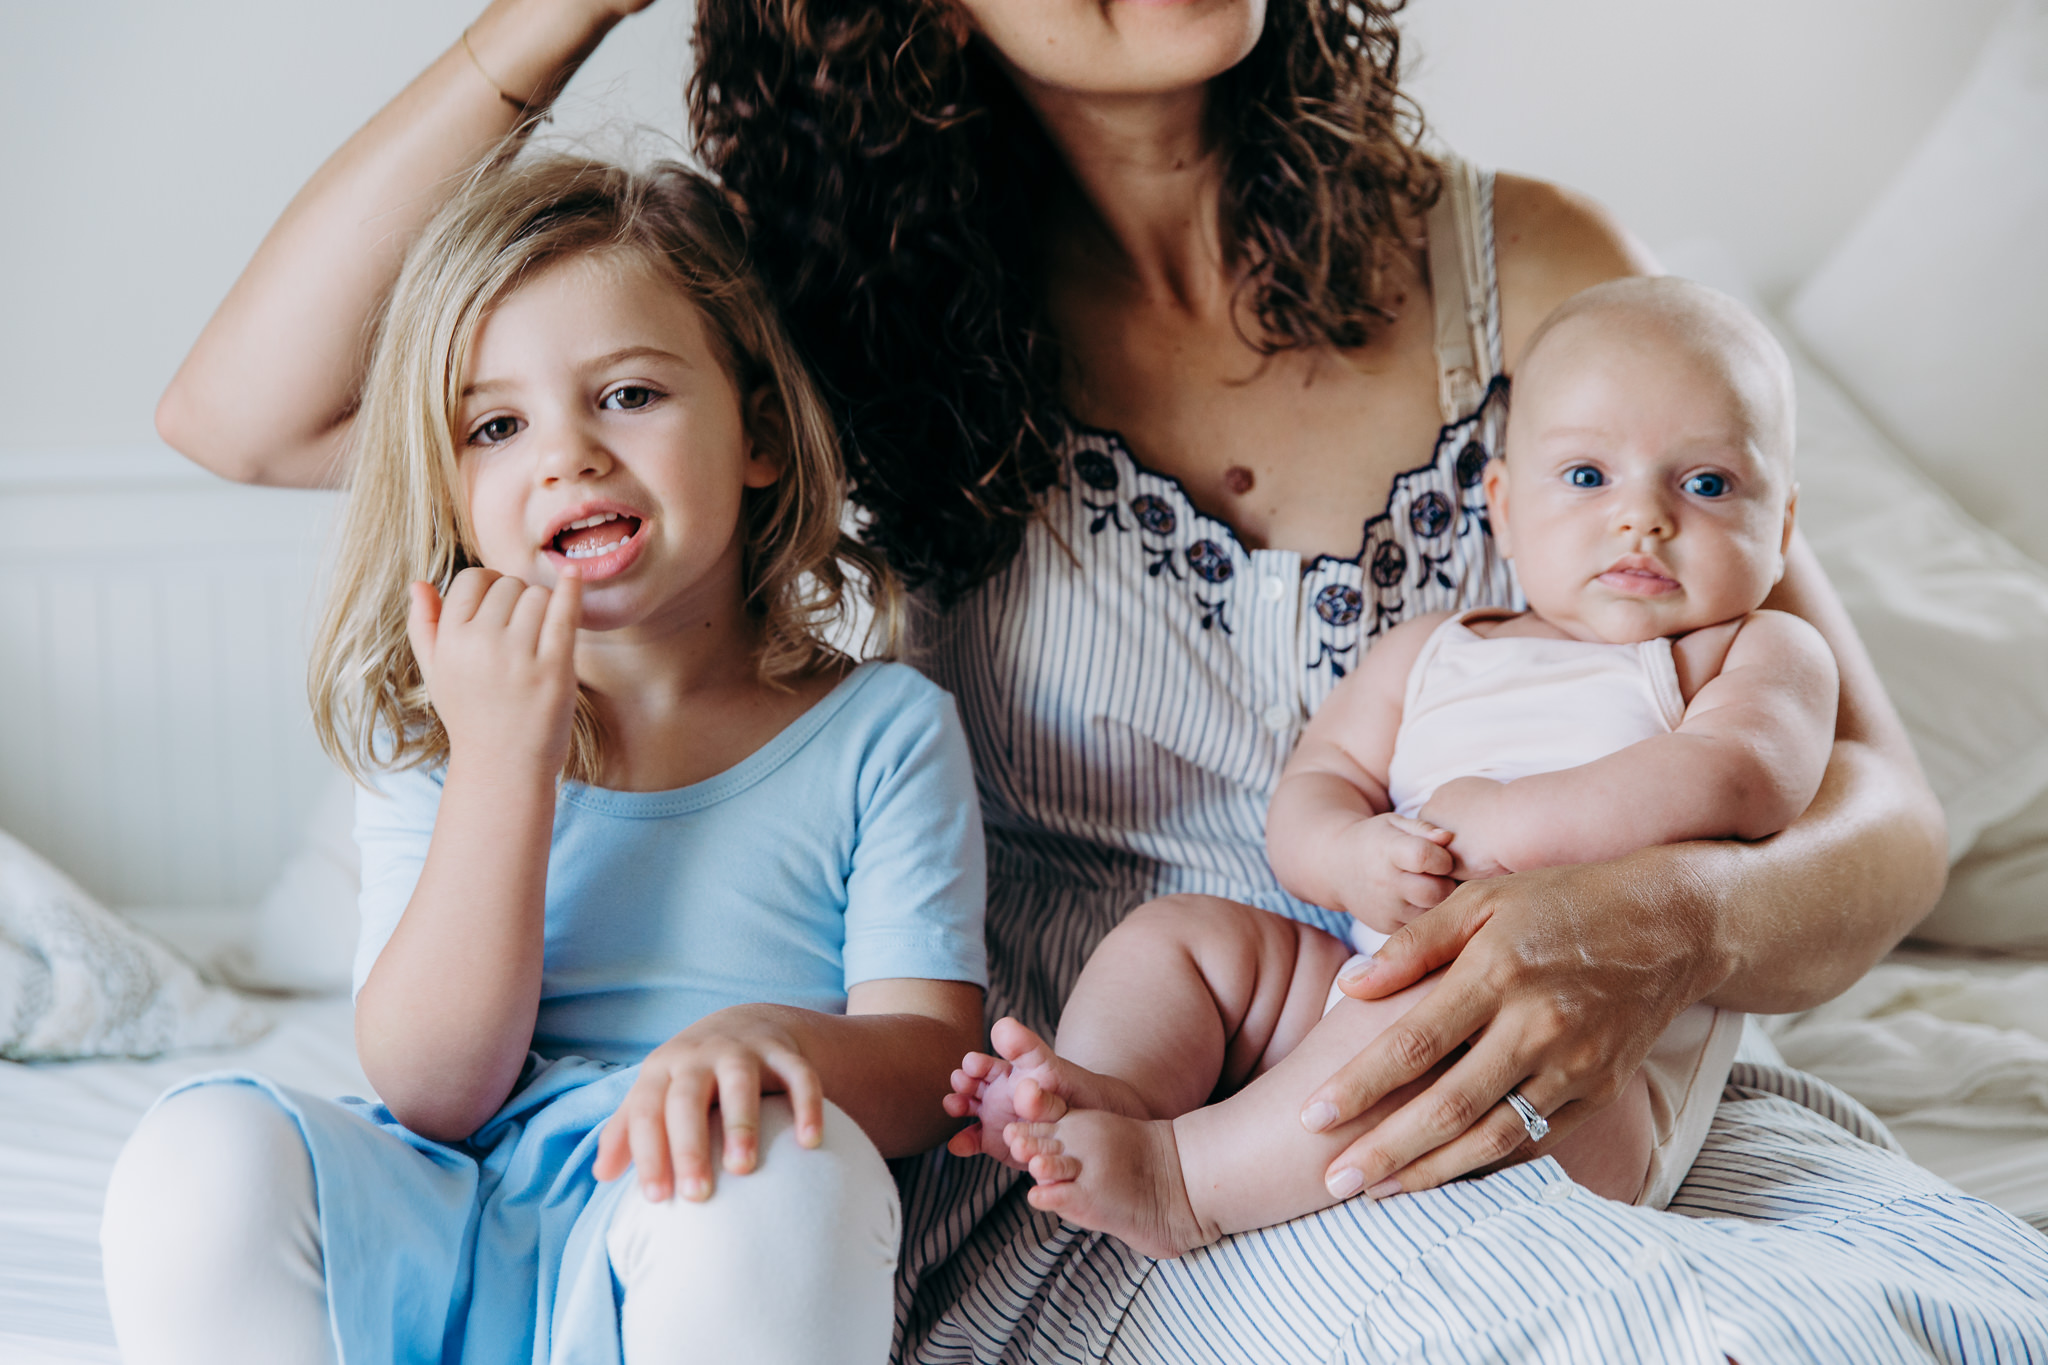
(1954, 1059)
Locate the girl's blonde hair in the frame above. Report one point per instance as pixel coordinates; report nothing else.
(406, 520)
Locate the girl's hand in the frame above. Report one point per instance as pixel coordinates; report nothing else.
(1560, 979)
(1401, 868)
(1468, 808)
(664, 1126)
(499, 659)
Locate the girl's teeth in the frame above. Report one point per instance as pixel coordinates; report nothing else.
(592, 551)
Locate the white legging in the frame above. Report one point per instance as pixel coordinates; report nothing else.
(211, 1244)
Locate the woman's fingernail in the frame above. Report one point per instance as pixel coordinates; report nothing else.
(694, 1188)
(1346, 1183)
(1384, 1188)
(1319, 1116)
(1356, 971)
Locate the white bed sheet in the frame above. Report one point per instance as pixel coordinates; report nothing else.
(61, 1126)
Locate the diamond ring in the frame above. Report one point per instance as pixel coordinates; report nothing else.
(1537, 1125)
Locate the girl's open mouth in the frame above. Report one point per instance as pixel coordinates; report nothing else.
(599, 545)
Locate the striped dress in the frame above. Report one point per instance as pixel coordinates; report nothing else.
(1131, 686)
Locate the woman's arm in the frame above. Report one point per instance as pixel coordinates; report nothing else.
(1561, 979)
(266, 393)
(886, 1062)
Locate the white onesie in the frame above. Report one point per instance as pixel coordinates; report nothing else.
(1507, 707)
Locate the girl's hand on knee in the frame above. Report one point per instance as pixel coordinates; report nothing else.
(499, 660)
(1558, 983)
(1402, 868)
(727, 1061)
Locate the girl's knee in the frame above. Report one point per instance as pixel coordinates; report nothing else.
(794, 1262)
(227, 1151)
(836, 1199)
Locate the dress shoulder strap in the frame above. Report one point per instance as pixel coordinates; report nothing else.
(1463, 284)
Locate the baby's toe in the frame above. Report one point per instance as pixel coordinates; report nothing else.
(1054, 1170)
(1038, 1104)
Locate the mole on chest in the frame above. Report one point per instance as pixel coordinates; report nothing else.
(1238, 480)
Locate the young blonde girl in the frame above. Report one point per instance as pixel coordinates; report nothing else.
(652, 876)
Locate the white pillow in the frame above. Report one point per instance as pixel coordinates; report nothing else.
(1934, 311)
(1954, 617)
(1997, 896)
(307, 925)
(78, 981)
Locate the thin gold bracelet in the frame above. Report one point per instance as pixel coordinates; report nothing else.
(523, 106)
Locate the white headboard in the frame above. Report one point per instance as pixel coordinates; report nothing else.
(154, 739)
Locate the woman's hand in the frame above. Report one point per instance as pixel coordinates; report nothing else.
(499, 659)
(728, 1059)
(1559, 979)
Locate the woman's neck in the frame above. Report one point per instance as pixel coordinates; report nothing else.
(1150, 182)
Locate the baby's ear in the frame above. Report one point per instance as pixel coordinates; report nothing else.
(1495, 481)
(768, 432)
(1791, 523)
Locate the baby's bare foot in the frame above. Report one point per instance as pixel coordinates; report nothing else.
(1026, 1083)
(1113, 1174)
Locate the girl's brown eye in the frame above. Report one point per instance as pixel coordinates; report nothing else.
(630, 397)
(496, 430)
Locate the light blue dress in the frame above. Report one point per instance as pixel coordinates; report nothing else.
(847, 849)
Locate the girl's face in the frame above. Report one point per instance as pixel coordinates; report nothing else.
(1647, 488)
(599, 427)
(1118, 47)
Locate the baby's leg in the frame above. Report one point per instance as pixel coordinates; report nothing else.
(793, 1264)
(1184, 1000)
(211, 1237)
(1168, 1186)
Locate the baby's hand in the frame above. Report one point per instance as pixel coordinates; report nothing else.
(1401, 869)
(1463, 807)
(499, 659)
(664, 1126)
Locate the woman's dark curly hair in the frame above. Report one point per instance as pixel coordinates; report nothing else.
(895, 180)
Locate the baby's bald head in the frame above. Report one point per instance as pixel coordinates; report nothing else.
(1724, 340)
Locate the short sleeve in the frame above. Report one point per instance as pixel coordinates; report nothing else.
(394, 824)
(916, 891)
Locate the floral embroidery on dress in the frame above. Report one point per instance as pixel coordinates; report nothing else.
(1098, 471)
(1428, 549)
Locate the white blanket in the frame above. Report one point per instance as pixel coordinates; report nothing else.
(1954, 1059)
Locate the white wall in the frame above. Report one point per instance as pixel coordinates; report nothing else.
(1768, 124)
(151, 145)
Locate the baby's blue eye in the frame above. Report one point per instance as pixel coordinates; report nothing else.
(1707, 485)
(1584, 476)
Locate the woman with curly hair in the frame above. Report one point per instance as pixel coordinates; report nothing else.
(1167, 364)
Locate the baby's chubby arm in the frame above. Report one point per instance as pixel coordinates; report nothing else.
(1330, 833)
(885, 1061)
(1743, 764)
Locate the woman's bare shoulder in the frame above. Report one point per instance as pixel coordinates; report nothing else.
(1549, 243)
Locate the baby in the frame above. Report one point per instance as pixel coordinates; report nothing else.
(1645, 494)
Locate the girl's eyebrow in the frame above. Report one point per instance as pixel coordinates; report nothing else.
(634, 353)
(608, 359)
